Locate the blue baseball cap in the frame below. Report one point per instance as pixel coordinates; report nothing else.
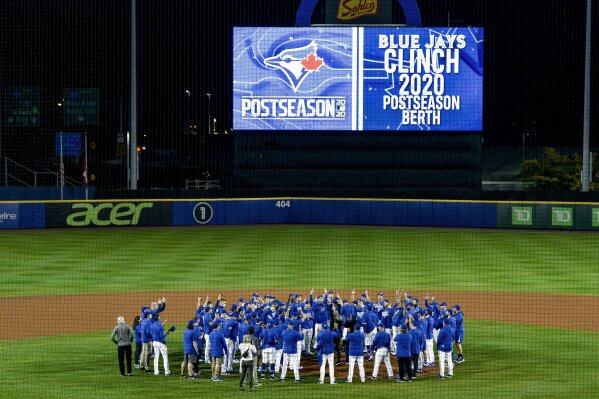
(457, 307)
(241, 300)
(443, 304)
(381, 294)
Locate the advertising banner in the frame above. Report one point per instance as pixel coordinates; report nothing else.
(108, 214)
(359, 12)
(548, 216)
(358, 78)
(22, 216)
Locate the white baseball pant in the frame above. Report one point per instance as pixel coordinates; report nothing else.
(330, 358)
(290, 360)
(430, 354)
(278, 358)
(160, 349)
(207, 346)
(445, 356)
(352, 362)
(382, 355)
(317, 329)
(307, 339)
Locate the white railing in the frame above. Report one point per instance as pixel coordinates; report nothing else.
(20, 175)
(201, 184)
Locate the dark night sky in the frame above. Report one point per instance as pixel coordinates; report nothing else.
(533, 73)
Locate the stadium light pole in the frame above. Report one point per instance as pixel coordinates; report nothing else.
(586, 158)
(209, 113)
(133, 164)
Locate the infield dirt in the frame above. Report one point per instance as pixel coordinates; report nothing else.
(37, 316)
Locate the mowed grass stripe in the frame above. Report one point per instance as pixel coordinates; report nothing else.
(502, 360)
(296, 257)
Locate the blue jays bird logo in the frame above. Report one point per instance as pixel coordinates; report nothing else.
(296, 63)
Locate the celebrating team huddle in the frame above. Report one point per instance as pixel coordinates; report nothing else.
(281, 336)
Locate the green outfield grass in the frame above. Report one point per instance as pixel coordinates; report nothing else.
(502, 361)
(296, 257)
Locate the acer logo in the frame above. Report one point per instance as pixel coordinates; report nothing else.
(352, 9)
(107, 214)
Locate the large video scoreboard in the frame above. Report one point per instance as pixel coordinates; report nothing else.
(358, 78)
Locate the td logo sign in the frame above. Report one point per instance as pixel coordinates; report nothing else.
(522, 216)
(107, 214)
(562, 217)
(595, 217)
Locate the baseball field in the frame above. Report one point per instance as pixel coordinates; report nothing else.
(530, 301)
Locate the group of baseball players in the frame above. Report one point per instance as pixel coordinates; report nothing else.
(276, 335)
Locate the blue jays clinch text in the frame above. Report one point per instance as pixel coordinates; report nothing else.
(355, 78)
(422, 83)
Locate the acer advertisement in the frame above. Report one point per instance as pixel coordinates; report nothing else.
(358, 79)
(108, 214)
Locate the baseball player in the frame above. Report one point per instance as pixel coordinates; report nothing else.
(291, 338)
(190, 350)
(355, 340)
(146, 342)
(159, 343)
(326, 345)
(320, 312)
(415, 344)
(268, 337)
(230, 327)
(458, 316)
(278, 328)
(403, 351)
(430, 324)
(369, 323)
(307, 329)
(382, 346)
(444, 348)
(218, 349)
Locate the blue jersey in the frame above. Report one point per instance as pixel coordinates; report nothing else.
(268, 338)
(137, 334)
(189, 336)
(198, 336)
(321, 314)
(157, 332)
(382, 339)
(308, 324)
(326, 341)
(430, 325)
(459, 321)
(229, 329)
(369, 321)
(242, 330)
(278, 337)
(297, 323)
(218, 346)
(445, 339)
(415, 343)
(356, 343)
(145, 331)
(290, 339)
(206, 322)
(403, 347)
(347, 311)
(397, 318)
(385, 317)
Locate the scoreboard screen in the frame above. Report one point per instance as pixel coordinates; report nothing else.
(358, 78)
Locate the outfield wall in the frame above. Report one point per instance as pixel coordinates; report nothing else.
(365, 212)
